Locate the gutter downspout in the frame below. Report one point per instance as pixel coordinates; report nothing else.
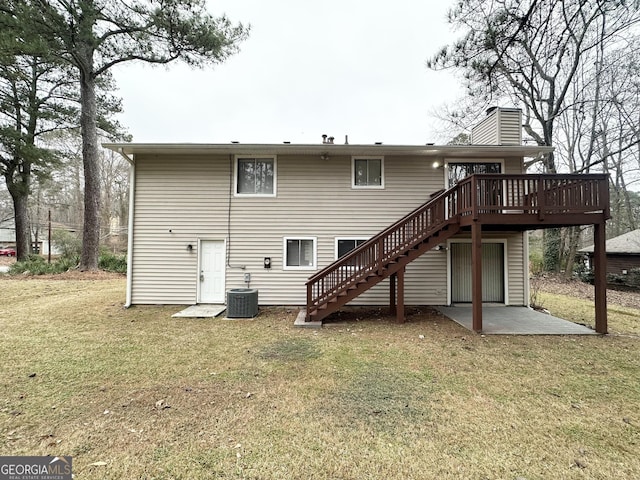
(132, 191)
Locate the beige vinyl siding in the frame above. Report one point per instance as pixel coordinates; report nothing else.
(315, 199)
(173, 208)
(500, 127)
(510, 127)
(486, 132)
(190, 196)
(517, 270)
(513, 166)
(180, 200)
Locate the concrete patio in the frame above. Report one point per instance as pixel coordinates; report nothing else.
(501, 320)
(200, 311)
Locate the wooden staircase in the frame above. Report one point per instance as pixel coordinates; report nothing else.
(481, 201)
(382, 256)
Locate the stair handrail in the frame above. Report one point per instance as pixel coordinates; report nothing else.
(351, 270)
(466, 199)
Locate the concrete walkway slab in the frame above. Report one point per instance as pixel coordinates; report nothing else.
(302, 323)
(200, 311)
(515, 321)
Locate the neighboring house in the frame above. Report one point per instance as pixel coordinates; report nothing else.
(7, 233)
(205, 218)
(43, 241)
(623, 253)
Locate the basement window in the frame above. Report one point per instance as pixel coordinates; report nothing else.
(345, 245)
(300, 253)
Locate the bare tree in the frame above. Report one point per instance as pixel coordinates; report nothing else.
(533, 54)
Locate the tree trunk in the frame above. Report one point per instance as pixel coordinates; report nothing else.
(20, 199)
(91, 230)
(552, 237)
(574, 239)
(551, 250)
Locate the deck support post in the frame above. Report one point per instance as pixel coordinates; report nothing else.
(400, 306)
(392, 294)
(600, 276)
(476, 275)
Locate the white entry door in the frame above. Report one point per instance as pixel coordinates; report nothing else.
(211, 271)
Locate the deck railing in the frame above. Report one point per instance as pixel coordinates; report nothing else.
(471, 198)
(534, 194)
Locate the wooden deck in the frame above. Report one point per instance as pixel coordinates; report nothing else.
(528, 202)
(483, 202)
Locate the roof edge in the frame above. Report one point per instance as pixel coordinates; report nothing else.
(339, 149)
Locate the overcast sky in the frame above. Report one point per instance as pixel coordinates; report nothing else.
(349, 67)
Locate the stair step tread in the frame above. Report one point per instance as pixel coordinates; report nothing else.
(424, 240)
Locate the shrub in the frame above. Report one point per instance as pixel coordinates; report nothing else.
(631, 279)
(69, 244)
(112, 263)
(35, 265)
(583, 272)
(536, 263)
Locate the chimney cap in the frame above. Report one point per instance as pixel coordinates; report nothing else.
(490, 110)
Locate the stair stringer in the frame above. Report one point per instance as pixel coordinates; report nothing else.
(393, 266)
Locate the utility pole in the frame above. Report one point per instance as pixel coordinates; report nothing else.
(49, 240)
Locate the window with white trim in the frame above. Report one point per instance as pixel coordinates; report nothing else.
(345, 245)
(367, 172)
(300, 253)
(255, 176)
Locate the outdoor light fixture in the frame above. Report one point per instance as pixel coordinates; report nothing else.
(189, 248)
(267, 262)
(441, 248)
(437, 164)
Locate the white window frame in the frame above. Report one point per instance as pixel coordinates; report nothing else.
(253, 195)
(353, 172)
(337, 239)
(296, 267)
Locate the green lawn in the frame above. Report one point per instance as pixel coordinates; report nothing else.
(147, 396)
